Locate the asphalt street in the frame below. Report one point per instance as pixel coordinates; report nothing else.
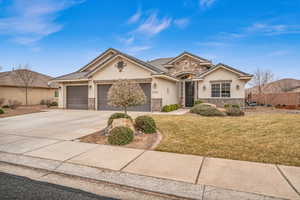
(22, 188)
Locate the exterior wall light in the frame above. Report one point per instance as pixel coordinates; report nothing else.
(237, 87)
(204, 87)
(154, 85)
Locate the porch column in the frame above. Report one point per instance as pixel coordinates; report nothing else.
(195, 91)
(91, 95)
(183, 94)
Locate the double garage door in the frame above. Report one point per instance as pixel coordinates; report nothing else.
(77, 98)
(103, 104)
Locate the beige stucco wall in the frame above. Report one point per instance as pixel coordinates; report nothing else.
(166, 90)
(35, 95)
(219, 75)
(130, 71)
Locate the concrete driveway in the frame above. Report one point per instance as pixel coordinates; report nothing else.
(55, 124)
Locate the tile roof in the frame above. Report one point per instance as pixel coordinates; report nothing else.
(9, 78)
(72, 76)
(159, 62)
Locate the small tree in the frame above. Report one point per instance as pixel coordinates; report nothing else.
(260, 79)
(25, 78)
(126, 93)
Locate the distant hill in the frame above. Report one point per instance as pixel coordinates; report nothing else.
(279, 86)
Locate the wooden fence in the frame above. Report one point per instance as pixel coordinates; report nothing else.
(276, 98)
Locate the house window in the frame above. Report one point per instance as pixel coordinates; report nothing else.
(215, 90)
(225, 90)
(220, 89)
(55, 93)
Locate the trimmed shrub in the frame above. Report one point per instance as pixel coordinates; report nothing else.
(120, 135)
(206, 110)
(232, 105)
(145, 124)
(14, 104)
(171, 107)
(53, 103)
(235, 105)
(42, 102)
(1, 111)
(198, 102)
(234, 111)
(2, 100)
(5, 106)
(117, 116)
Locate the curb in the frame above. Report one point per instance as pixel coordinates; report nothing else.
(159, 186)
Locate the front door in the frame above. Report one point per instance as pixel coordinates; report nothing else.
(189, 94)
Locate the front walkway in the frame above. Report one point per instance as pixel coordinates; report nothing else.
(192, 175)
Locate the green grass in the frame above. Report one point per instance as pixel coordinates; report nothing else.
(268, 138)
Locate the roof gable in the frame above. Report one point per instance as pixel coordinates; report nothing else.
(172, 61)
(136, 61)
(228, 68)
(98, 59)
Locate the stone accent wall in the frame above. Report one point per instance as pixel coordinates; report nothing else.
(220, 102)
(91, 104)
(156, 105)
(187, 64)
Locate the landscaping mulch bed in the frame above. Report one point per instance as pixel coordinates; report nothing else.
(22, 110)
(140, 141)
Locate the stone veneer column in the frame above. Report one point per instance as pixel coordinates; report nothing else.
(156, 104)
(91, 95)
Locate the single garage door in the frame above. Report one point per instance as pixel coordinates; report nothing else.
(102, 98)
(77, 97)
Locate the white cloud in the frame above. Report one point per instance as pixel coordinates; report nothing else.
(206, 3)
(127, 41)
(214, 44)
(31, 20)
(153, 25)
(277, 29)
(136, 49)
(182, 23)
(135, 18)
(278, 53)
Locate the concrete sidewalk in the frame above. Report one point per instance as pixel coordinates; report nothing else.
(177, 174)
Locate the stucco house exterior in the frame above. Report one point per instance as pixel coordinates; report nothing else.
(177, 80)
(12, 88)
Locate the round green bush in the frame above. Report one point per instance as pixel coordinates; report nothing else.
(234, 111)
(145, 124)
(117, 116)
(206, 110)
(1, 111)
(120, 135)
(169, 108)
(53, 103)
(198, 102)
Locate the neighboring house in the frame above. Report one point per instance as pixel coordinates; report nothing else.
(278, 86)
(178, 80)
(295, 89)
(12, 88)
(281, 92)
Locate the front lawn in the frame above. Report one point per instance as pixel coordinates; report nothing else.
(268, 138)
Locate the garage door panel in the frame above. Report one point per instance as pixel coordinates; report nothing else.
(77, 97)
(103, 103)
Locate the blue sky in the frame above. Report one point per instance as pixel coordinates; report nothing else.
(59, 36)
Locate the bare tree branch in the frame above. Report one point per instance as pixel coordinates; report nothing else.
(25, 77)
